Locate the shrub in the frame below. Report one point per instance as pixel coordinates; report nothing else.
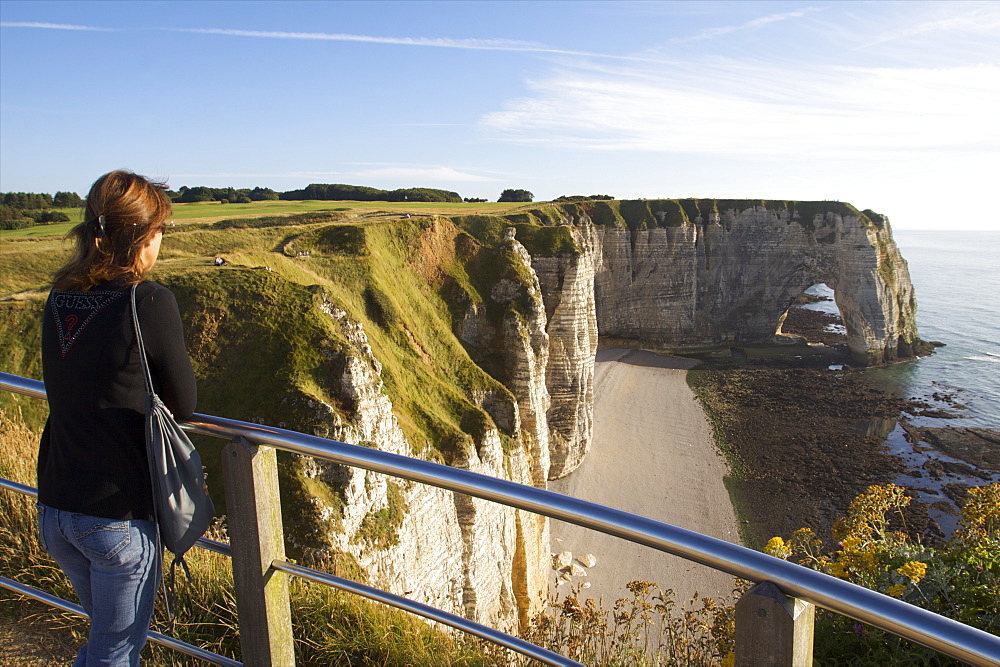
(960, 580)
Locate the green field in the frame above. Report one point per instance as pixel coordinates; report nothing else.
(213, 210)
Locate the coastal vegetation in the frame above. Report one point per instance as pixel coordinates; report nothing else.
(959, 579)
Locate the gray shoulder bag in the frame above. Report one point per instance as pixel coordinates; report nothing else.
(181, 504)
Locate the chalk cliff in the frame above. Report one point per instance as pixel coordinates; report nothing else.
(476, 558)
(704, 272)
(461, 554)
(698, 273)
(568, 289)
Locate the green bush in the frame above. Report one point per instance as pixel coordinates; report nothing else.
(960, 580)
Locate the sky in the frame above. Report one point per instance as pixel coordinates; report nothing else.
(889, 106)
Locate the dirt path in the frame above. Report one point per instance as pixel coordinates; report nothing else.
(652, 454)
(27, 640)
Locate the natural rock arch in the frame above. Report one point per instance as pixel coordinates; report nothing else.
(792, 327)
(727, 274)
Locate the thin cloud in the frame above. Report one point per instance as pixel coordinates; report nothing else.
(761, 112)
(244, 177)
(709, 33)
(434, 42)
(422, 174)
(419, 174)
(51, 26)
(440, 42)
(976, 21)
(508, 45)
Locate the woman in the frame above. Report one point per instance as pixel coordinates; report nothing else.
(95, 507)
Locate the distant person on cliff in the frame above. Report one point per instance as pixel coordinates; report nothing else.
(95, 504)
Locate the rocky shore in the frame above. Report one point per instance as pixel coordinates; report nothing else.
(800, 443)
(806, 432)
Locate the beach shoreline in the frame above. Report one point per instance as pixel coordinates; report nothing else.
(652, 454)
(762, 448)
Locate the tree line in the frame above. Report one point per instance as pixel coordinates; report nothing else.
(24, 209)
(314, 191)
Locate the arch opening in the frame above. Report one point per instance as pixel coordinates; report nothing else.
(815, 318)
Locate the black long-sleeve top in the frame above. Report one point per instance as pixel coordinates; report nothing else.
(92, 456)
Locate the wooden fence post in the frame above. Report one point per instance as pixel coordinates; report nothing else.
(253, 508)
(773, 629)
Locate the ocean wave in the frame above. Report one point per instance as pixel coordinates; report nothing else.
(990, 357)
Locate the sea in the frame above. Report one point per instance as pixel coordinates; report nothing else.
(956, 278)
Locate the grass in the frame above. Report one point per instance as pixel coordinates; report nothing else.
(214, 211)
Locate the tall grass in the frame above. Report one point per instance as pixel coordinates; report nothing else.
(646, 628)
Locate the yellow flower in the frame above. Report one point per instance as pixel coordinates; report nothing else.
(776, 547)
(851, 543)
(838, 570)
(897, 590)
(915, 570)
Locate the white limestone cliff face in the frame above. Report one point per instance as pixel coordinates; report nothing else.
(475, 558)
(723, 278)
(567, 284)
(523, 344)
(426, 562)
(728, 277)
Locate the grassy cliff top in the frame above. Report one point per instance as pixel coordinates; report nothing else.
(258, 331)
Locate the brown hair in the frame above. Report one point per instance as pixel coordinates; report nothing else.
(124, 212)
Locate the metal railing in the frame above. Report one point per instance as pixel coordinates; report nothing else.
(900, 618)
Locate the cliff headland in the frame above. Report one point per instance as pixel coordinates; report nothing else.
(471, 339)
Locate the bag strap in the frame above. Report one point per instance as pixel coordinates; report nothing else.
(142, 348)
(169, 589)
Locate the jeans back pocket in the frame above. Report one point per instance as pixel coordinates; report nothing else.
(100, 538)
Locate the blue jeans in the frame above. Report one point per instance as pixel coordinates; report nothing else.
(114, 570)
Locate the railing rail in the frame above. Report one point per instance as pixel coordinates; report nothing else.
(913, 623)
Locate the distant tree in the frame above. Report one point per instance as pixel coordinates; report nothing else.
(473, 200)
(511, 195)
(43, 217)
(49, 217)
(573, 198)
(423, 194)
(262, 194)
(195, 194)
(242, 199)
(342, 192)
(12, 218)
(27, 200)
(67, 200)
